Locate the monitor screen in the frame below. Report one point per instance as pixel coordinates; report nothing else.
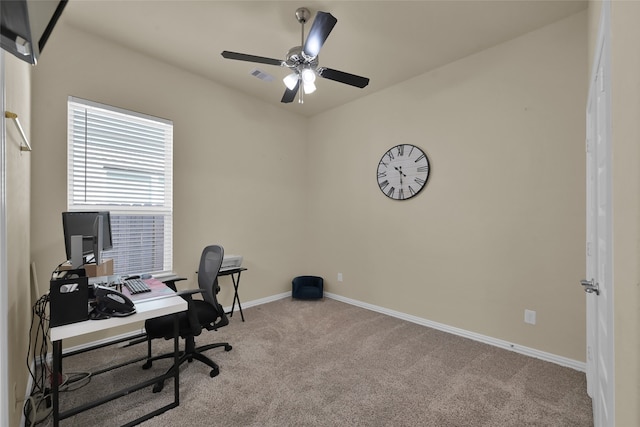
(86, 224)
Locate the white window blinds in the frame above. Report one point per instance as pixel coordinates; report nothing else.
(122, 161)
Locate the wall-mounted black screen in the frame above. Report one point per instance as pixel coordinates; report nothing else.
(25, 26)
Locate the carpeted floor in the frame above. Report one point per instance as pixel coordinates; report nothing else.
(327, 363)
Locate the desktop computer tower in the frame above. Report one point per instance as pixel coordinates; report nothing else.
(68, 300)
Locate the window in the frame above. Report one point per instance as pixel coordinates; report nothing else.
(122, 161)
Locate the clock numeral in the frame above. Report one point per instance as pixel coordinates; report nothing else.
(411, 151)
(412, 191)
(420, 158)
(419, 181)
(383, 184)
(400, 150)
(386, 165)
(390, 154)
(401, 194)
(423, 169)
(382, 174)
(391, 191)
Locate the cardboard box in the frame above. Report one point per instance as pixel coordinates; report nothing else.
(105, 268)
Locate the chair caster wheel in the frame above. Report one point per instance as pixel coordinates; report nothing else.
(214, 372)
(147, 364)
(157, 387)
(227, 348)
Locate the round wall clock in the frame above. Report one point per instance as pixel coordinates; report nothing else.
(403, 171)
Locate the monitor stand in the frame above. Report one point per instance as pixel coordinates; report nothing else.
(76, 251)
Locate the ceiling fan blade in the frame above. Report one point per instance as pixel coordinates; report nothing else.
(322, 26)
(251, 58)
(290, 94)
(342, 77)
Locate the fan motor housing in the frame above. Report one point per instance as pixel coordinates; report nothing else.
(295, 58)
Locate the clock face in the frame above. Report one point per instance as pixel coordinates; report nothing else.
(403, 172)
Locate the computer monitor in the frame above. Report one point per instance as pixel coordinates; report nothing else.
(86, 224)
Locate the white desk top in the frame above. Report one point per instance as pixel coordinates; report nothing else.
(144, 310)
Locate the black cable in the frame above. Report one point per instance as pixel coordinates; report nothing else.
(42, 374)
(56, 270)
(38, 347)
(40, 319)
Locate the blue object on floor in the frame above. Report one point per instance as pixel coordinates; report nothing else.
(307, 287)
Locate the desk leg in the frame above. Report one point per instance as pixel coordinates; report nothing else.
(236, 284)
(176, 359)
(57, 372)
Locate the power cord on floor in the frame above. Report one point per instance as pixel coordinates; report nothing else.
(37, 408)
(75, 381)
(38, 405)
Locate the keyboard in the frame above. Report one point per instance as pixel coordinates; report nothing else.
(136, 286)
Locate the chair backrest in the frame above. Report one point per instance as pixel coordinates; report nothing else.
(210, 263)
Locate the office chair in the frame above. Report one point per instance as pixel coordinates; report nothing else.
(206, 313)
(307, 287)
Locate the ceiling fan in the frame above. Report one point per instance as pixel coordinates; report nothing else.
(303, 60)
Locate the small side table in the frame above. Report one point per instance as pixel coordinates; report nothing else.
(235, 278)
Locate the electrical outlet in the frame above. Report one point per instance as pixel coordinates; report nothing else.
(339, 277)
(530, 317)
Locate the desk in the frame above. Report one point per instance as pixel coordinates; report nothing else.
(144, 310)
(236, 282)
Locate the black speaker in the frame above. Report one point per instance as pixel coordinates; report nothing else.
(68, 300)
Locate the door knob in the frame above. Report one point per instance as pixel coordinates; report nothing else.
(590, 286)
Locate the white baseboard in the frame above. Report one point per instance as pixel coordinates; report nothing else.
(260, 301)
(527, 351)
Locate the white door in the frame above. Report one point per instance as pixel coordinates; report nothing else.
(4, 306)
(599, 280)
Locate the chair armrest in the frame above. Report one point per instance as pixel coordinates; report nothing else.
(186, 294)
(172, 282)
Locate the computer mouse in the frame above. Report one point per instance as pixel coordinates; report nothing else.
(145, 276)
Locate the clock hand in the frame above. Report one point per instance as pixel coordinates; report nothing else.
(400, 170)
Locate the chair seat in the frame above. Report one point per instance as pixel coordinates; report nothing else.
(162, 327)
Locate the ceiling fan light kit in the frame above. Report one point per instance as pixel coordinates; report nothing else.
(291, 80)
(303, 60)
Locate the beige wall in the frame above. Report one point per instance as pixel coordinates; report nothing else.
(18, 167)
(500, 226)
(239, 164)
(625, 69)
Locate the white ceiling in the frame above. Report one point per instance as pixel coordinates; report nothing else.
(387, 41)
